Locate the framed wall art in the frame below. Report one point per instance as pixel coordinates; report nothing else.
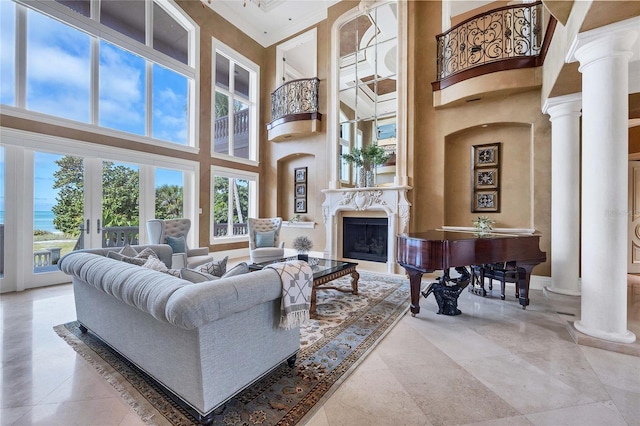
(300, 190)
(485, 175)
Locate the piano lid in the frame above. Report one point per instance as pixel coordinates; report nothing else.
(442, 235)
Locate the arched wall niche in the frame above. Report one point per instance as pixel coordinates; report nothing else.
(515, 171)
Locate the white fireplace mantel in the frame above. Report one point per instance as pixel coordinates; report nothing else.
(391, 200)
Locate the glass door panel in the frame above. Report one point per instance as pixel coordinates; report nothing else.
(120, 222)
(57, 208)
(169, 201)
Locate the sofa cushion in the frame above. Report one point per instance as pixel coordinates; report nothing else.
(239, 269)
(265, 239)
(146, 253)
(178, 244)
(129, 251)
(215, 267)
(196, 276)
(155, 264)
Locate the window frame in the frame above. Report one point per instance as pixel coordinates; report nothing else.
(254, 182)
(97, 32)
(254, 100)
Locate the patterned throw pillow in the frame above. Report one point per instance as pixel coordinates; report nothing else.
(195, 276)
(239, 269)
(128, 251)
(155, 264)
(178, 244)
(216, 267)
(265, 239)
(174, 272)
(134, 260)
(146, 254)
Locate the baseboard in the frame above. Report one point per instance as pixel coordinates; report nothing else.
(539, 282)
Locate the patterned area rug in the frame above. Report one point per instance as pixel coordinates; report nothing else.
(347, 327)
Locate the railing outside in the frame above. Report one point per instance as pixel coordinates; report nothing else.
(295, 97)
(222, 229)
(240, 134)
(115, 236)
(506, 33)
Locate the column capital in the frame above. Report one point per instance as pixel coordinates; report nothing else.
(563, 105)
(611, 40)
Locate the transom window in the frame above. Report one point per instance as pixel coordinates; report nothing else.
(78, 66)
(235, 118)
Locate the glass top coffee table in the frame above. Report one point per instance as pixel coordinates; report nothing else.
(324, 271)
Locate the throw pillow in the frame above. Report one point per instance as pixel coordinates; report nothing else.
(178, 244)
(115, 255)
(174, 272)
(155, 264)
(265, 239)
(215, 267)
(146, 254)
(239, 269)
(195, 276)
(134, 260)
(129, 251)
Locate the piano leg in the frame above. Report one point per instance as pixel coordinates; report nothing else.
(524, 275)
(415, 281)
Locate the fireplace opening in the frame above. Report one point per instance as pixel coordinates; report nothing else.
(365, 238)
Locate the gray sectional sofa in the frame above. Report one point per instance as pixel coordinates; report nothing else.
(204, 342)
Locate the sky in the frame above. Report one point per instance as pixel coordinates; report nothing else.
(58, 83)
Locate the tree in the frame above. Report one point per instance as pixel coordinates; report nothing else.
(120, 194)
(169, 202)
(221, 200)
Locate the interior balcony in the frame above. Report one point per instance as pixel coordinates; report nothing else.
(294, 110)
(492, 54)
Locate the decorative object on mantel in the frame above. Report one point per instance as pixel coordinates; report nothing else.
(486, 178)
(295, 219)
(483, 225)
(366, 160)
(302, 244)
(300, 184)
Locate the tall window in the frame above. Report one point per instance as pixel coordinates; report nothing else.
(235, 105)
(169, 194)
(234, 199)
(145, 81)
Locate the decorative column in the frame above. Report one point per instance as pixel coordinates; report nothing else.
(604, 55)
(564, 113)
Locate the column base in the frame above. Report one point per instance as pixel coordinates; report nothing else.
(626, 337)
(564, 291)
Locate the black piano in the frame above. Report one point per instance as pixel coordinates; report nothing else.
(434, 250)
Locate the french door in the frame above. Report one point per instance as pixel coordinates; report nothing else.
(59, 196)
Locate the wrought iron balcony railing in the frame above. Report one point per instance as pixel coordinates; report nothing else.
(509, 37)
(295, 97)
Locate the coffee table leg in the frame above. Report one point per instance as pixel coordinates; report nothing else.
(312, 308)
(355, 276)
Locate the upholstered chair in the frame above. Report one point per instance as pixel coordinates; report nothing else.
(174, 232)
(264, 239)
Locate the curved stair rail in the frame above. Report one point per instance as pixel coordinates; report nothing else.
(505, 38)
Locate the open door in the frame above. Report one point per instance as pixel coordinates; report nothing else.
(633, 266)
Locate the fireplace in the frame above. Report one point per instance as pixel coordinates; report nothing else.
(365, 238)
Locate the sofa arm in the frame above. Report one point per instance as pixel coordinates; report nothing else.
(193, 306)
(200, 251)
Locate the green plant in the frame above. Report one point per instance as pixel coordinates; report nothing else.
(368, 157)
(483, 224)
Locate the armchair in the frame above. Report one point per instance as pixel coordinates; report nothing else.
(264, 236)
(159, 230)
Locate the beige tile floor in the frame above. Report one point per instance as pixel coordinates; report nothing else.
(495, 364)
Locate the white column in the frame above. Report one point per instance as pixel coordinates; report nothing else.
(604, 63)
(564, 113)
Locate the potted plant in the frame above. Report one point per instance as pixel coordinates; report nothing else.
(483, 225)
(302, 244)
(366, 159)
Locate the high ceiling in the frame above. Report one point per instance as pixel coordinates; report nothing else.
(273, 20)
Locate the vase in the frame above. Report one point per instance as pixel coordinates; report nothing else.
(370, 179)
(361, 178)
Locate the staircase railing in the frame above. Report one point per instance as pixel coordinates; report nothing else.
(508, 37)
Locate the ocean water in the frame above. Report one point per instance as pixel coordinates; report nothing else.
(42, 220)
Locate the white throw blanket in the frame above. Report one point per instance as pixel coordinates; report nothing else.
(297, 283)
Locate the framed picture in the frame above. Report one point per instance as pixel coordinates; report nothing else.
(485, 201)
(301, 205)
(486, 155)
(485, 178)
(301, 189)
(300, 174)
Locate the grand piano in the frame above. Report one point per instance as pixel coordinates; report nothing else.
(435, 250)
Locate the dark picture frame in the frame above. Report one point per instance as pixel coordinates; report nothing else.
(485, 177)
(300, 190)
